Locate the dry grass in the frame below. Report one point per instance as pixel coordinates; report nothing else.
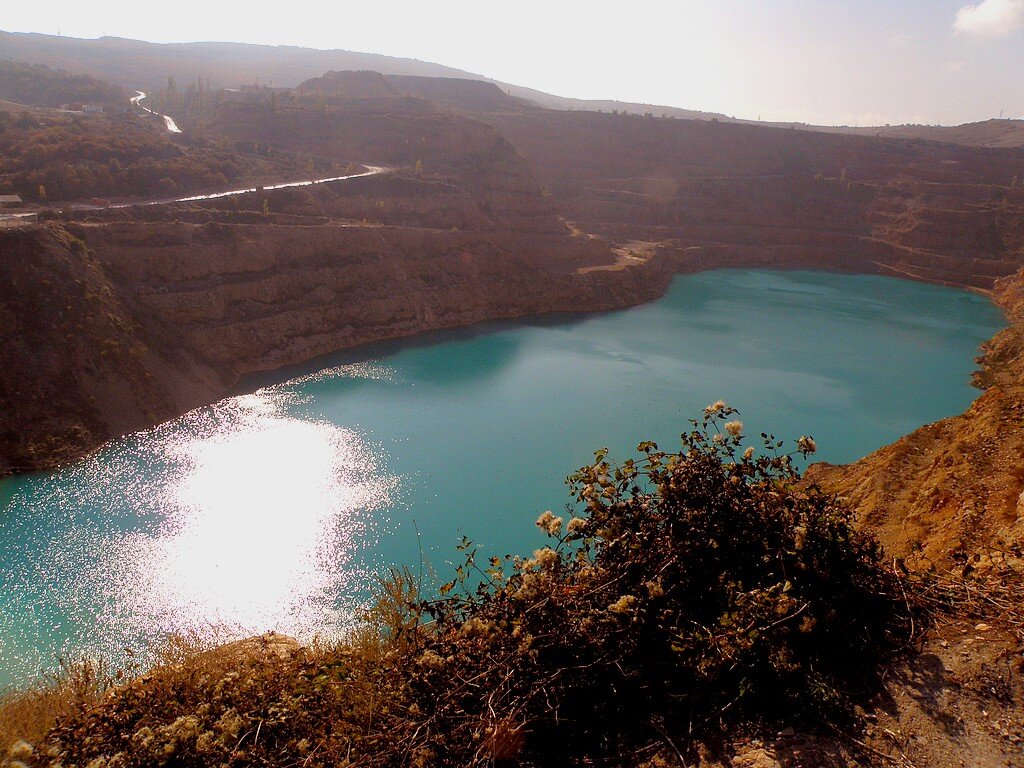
(698, 593)
(207, 701)
(993, 595)
(29, 714)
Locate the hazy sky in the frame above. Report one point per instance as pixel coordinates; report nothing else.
(824, 61)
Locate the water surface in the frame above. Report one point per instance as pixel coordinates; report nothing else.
(275, 510)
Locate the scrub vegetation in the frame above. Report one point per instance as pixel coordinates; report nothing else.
(57, 158)
(41, 86)
(683, 595)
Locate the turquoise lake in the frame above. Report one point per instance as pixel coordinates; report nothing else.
(277, 509)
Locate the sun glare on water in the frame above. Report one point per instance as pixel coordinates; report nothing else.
(249, 519)
(263, 524)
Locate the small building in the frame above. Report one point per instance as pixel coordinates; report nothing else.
(10, 201)
(92, 108)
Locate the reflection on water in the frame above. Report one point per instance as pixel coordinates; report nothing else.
(277, 510)
(246, 519)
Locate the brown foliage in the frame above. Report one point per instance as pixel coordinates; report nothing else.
(687, 591)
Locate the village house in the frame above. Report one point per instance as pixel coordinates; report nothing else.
(10, 201)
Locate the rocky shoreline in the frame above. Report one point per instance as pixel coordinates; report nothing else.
(112, 337)
(178, 326)
(950, 493)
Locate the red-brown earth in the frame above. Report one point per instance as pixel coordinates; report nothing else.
(118, 319)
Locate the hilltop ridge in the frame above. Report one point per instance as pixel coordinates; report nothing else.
(140, 64)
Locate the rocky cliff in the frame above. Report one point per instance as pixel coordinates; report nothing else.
(536, 212)
(80, 360)
(252, 297)
(116, 322)
(715, 194)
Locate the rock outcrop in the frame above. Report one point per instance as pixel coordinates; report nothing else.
(718, 194)
(116, 323)
(80, 362)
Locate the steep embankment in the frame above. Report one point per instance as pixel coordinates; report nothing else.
(258, 297)
(951, 492)
(467, 233)
(714, 194)
(182, 301)
(138, 321)
(80, 362)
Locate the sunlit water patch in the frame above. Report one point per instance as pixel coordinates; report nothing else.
(234, 519)
(277, 510)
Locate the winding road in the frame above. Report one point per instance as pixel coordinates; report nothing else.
(25, 218)
(371, 170)
(168, 121)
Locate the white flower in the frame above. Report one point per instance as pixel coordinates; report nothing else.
(576, 525)
(623, 605)
(654, 588)
(430, 660)
(799, 536)
(185, 728)
(748, 454)
(550, 524)
(734, 428)
(545, 557)
(806, 444)
(715, 407)
(477, 627)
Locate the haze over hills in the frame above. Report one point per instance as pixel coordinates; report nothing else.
(134, 63)
(148, 272)
(140, 64)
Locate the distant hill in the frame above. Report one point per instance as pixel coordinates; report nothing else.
(989, 133)
(452, 93)
(461, 94)
(566, 104)
(138, 64)
(39, 86)
(349, 85)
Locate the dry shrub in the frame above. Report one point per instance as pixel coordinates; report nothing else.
(685, 593)
(993, 593)
(693, 589)
(28, 715)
